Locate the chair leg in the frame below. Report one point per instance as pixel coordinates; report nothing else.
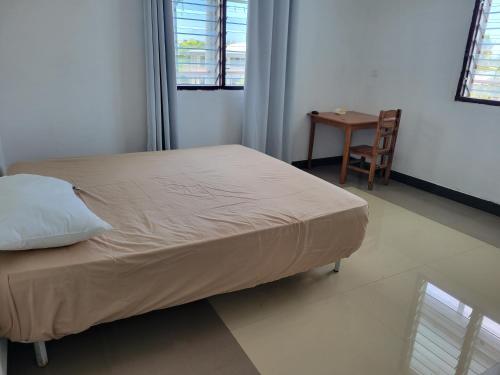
(371, 175)
(387, 171)
(382, 161)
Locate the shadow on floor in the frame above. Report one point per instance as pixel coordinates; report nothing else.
(187, 339)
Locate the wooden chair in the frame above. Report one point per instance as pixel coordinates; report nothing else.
(383, 147)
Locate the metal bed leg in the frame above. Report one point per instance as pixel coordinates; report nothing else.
(41, 354)
(3, 356)
(337, 266)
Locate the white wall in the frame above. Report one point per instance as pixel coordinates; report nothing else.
(71, 78)
(209, 118)
(415, 50)
(72, 82)
(325, 55)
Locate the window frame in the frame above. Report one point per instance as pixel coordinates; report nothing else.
(222, 60)
(473, 31)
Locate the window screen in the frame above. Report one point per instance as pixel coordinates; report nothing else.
(210, 41)
(480, 78)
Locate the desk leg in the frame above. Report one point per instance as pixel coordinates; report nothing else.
(345, 158)
(312, 131)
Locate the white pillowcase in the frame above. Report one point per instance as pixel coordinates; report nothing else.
(40, 212)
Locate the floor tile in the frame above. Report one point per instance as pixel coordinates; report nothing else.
(377, 207)
(420, 238)
(391, 301)
(292, 294)
(477, 272)
(326, 337)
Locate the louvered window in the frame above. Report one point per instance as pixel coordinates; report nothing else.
(480, 78)
(210, 41)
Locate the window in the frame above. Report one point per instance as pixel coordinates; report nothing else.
(480, 78)
(210, 42)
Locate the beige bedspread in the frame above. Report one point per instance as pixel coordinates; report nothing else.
(188, 224)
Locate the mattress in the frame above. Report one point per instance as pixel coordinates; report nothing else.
(187, 224)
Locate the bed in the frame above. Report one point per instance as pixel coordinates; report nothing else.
(187, 224)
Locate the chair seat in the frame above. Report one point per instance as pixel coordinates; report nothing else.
(364, 150)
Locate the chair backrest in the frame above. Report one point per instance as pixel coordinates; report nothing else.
(387, 132)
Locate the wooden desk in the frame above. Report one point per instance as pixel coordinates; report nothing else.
(350, 122)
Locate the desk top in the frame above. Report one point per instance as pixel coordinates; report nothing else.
(351, 118)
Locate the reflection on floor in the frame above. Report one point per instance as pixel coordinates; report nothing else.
(418, 298)
(448, 336)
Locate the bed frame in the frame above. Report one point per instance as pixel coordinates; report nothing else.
(3, 356)
(41, 356)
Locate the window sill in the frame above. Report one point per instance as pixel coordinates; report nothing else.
(477, 101)
(210, 88)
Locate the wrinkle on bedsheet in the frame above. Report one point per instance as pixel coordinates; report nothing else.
(187, 224)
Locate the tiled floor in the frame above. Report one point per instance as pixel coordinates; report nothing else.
(422, 296)
(418, 297)
(468, 220)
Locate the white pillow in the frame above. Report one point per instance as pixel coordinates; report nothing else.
(40, 212)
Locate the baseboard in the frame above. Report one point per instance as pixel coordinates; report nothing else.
(318, 162)
(468, 200)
